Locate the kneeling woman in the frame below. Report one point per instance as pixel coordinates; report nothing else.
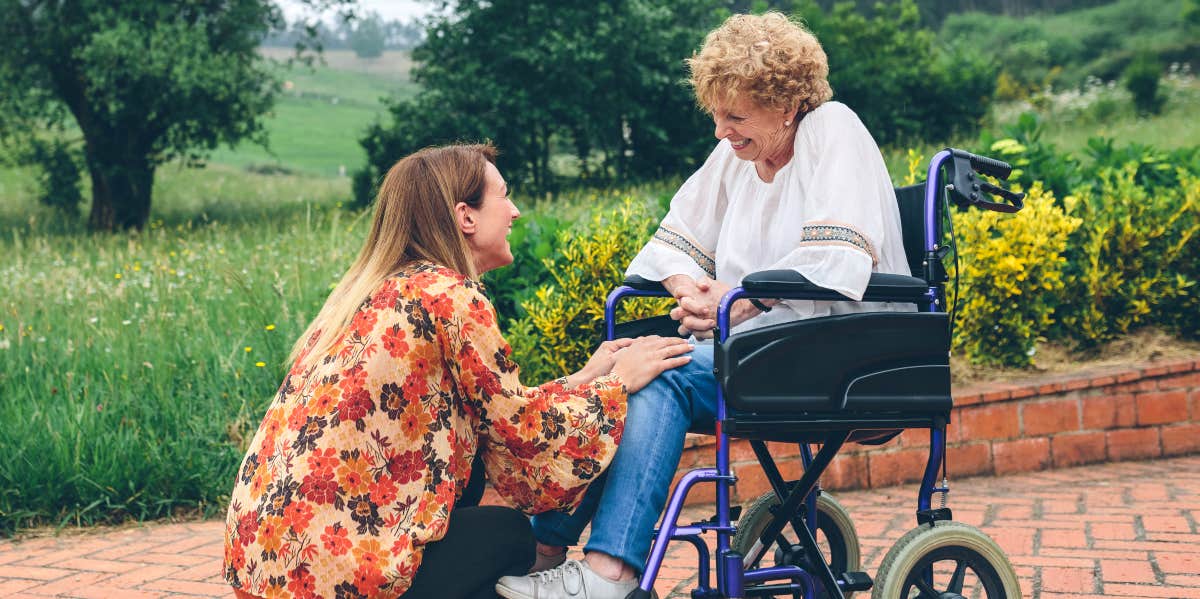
(354, 484)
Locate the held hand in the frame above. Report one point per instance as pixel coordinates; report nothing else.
(648, 357)
(601, 362)
(698, 314)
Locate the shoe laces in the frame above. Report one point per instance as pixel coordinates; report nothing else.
(558, 571)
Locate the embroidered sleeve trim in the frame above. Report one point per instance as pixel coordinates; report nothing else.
(826, 233)
(690, 249)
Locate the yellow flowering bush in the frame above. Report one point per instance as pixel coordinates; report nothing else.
(1011, 277)
(1133, 261)
(564, 319)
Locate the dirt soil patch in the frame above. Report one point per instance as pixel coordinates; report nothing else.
(1054, 359)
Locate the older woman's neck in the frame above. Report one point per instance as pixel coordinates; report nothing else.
(770, 164)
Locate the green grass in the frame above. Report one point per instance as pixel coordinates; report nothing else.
(132, 366)
(322, 113)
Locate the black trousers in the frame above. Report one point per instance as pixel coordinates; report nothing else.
(481, 544)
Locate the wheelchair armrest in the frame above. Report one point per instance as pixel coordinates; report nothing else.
(641, 284)
(881, 287)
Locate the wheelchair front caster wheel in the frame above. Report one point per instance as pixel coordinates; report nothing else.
(835, 534)
(946, 559)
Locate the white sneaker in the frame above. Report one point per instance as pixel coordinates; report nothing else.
(572, 580)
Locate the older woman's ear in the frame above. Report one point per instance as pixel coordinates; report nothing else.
(464, 217)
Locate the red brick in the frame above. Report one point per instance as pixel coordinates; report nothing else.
(1073, 449)
(739, 451)
(969, 459)
(895, 467)
(1024, 391)
(1141, 384)
(848, 471)
(1103, 381)
(1022, 455)
(1162, 407)
(1180, 381)
(783, 450)
(985, 423)
(1155, 371)
(1077, 383)
(913, 437)
(1048, 417)
(1068, 580)
(1108, 411)
(1134, 443)
(752, 481)
(1051, 388)
(968, 399)
(1130, 375)
(1181, 439)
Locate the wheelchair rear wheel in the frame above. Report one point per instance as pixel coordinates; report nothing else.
(835, 534)
(946, 559)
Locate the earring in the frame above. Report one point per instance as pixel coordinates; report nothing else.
(786, 123)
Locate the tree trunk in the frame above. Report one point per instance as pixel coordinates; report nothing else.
(121, 190)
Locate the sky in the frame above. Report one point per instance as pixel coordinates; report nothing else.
(403, 10)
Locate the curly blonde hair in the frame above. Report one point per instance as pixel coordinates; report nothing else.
(771, 59)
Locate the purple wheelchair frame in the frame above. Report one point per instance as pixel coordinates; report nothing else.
(732, 577)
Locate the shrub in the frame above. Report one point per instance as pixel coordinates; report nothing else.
(564, 319)
(1010, 278)
(1141, 79)
(534, 238)
(58, 179)
(1133, 256)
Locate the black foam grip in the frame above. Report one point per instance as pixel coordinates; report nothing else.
(991, 166)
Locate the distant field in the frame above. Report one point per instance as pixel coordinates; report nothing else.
(323, 111)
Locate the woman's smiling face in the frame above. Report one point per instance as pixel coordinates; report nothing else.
(492, 222)
(754, 132)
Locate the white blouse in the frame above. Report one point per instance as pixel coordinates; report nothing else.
(830, 214)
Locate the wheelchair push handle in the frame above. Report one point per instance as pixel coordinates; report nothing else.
(968, 189)
(984, 165)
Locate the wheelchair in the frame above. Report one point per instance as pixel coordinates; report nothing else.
(875, 375)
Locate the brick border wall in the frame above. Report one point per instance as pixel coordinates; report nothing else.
(1143, 412)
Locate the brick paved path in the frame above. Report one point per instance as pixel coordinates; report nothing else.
(1128, 529)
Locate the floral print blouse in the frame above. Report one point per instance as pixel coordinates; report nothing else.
(361, 456)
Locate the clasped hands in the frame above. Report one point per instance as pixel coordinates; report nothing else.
(697, 300)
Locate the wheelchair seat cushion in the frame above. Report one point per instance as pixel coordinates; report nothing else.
(865, 363)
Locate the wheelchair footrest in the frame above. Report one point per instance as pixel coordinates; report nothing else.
(854, 581)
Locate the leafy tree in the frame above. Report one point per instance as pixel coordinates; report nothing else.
(600, 80)
(367, 35)
(891, 71)
(1141, 79)
(1191, 14)
(142, 82)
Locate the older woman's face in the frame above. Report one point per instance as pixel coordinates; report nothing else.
(754, 132)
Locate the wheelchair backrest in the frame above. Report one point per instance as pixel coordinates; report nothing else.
(911, 200)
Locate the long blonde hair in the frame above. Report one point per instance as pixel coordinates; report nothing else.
(414, 220)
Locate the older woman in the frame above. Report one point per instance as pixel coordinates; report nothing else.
(352, 485)
(796, 182)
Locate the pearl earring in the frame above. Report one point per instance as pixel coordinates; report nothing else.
(786, 123)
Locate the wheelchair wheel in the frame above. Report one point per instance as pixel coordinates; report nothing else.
(963, 562)
(835, 535)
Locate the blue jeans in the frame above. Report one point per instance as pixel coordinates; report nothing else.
(623, 505)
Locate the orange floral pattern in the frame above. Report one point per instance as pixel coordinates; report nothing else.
(361, 456)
